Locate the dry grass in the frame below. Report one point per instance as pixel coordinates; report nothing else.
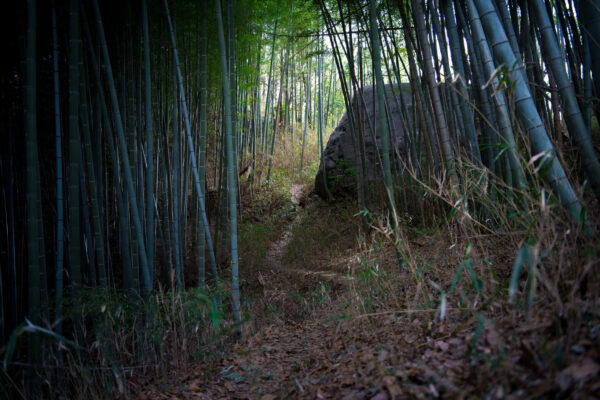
(332, 312)
(461, 332)
(338, 316)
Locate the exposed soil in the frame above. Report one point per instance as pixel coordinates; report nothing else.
(275, 253)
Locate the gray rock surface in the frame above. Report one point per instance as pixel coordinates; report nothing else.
(341, 161)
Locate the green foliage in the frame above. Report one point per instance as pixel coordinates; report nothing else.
(29, 327)
(255, 240)
(321, 231)
(343, 165)
(126, 330)
(314, 299)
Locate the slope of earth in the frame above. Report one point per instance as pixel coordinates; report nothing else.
(335, 317)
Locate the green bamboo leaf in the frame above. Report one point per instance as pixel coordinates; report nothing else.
(474, 279)
(214, 313)
(530, 287)
(32, 328)
(521, 259)
(12, 344)
(457, 277)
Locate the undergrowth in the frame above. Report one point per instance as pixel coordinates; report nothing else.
(504, 272)
(510, 262)
(121, 340)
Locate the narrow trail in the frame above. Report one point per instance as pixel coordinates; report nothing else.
(277, 249)
(323, 355)
(289, 358)
(275, 254)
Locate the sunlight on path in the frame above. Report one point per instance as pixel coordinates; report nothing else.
(296, 192)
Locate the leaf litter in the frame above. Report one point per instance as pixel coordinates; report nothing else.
(338, 350)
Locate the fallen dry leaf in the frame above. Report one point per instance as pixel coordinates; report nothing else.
(391, 384)
(443, 346)
(380, 396)
(583, 369)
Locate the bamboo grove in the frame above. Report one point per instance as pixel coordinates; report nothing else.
(492, 111)
(134, 132)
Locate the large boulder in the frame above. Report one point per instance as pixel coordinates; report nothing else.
(341, 160)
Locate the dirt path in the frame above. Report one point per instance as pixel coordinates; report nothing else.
(275, 254)
(285, 359)
(276, 251)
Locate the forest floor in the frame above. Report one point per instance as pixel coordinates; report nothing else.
(334, 317)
